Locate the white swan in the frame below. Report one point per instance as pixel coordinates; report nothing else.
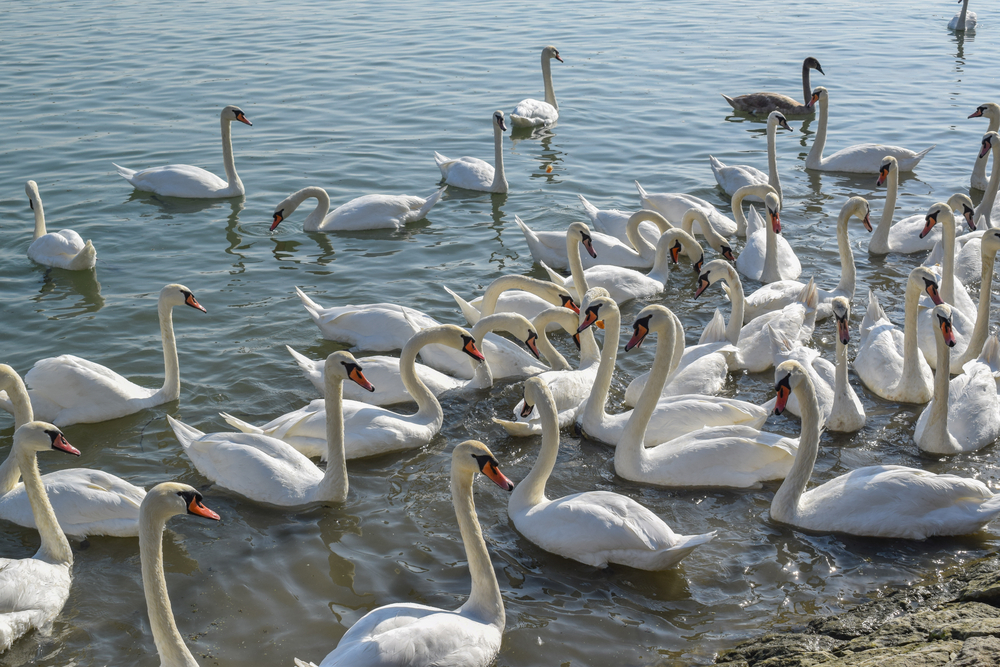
(964, 414)
(673, 206)
(877, 501)
(370, 430)
(858, 159)
(472, 173)
(991, 111)
(593, 527)
(777, 295)
(762, 103)
(532, 113)
(34, 590)
(889, 362)
(415, 635)
(731, 179)
(69, 390)
(162, 502)
(550, 248)
(763, 258)
(268, 470)
(906, 236)
(796, 321)
(989, 246)
(64, 249)
(515, 294)
(963, 20)
(674, 415)
(86, 502)
(366, 212)
(183, 180)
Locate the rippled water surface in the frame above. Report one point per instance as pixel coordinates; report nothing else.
(356, 97)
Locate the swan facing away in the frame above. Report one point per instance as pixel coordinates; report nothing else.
(532, 113)
(366, 212)
(759, 104)
(963, 20)
(69, 390)
(64, 249)
(876, 501)
(731, 179)
(34, 590)
(859, 159)
(183, 180)
(415, 635)
(593, 527)
(472, 173)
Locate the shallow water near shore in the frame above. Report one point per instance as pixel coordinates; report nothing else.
(356, 98)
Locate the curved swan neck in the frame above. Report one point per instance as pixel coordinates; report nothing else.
(880, 238)
(661, 260)
(428, 406)
(986, 205)
(737, 205)
(531, 490)
(638, 241)
(630, 450)
(10, 472)
(848, 274)
(569, 321)
(735, 325)
(493, 291)
(982, 329)
(786, 501)
(550, 93)
(485, 602)
(171, 390)
(773, 179)
(334, 485)
(815, 157)
(55, 547)
(232, 178)
(499, 180)
(806, 90)
(609, 354)
(169, 643)
(315, 219)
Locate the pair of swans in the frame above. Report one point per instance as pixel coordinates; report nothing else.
(964, 19)
(731, 179)
(767, 256)
(64, 249)
(673, 206)
(858, 159)
(990, 111)
(365, 212)
(526, 296)
(471, 173)
(593, 527)
(876, 501)
(553, 248)
(183, 180)
(763, 103)
(411, 634)
(533, 113)
(69, 390)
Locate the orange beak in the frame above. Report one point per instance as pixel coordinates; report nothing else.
(727, 252)
(193, 302)
(360, 379)
(277, 221)
(969, 215)
(948, 332)
(638, 336)
(197, 508)
(702, 285)
(589, 245)
(62, 444)
(986, 148)
(776, 222)
(697, 265)
(588, 320)
(843, 331)
(932, 292)
(530, 342)
(867, 221)
(675, 251)
(882, 174)
(493, 472)
(784, 390)
(929, 221)
(567, 302)
(470, 349)
(243, 119)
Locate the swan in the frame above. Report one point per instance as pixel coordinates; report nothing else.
(163, 501)
(674, 415)
(471, 173)
(370, 430)
(989, 247)
(550, 248)
(731, 179)
(889, 362)
(516, 294)
(858, 159)
(964, 414)
(183, 180)
(761, 103)
(673, 206)
(905, 236)
(733, 456)
(876, 501)
(532, 113)
(366, 212)
(593, 527)
(64, 249)
(34, 590)
(991, 111)
(414, 635)
(69, 390)
(268, 470)
(777, 295)
(86, 502)
(763, 258)
(964, 20)
(796, 320)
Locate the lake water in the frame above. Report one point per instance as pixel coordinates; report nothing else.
(356, 97)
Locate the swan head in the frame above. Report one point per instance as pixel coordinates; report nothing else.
(536, 390)
(456, 337)
(498, 120)
(819, 94)
(651, 318)
(31, 189)
(718, 243)
(991, 242)
(513, 323)
(594, 300)
(888, 166)
(231, 113)
(962, 202)
(551, 52)
(170, 499)
(41, 436)
(777, 118)
(858, 208)
(292, 202)
(471, 457)
(923, 279)
(942, 324)
(812, 63)
(773, 207)
(581, 231)
(941, 211)
(787, 376)
(678, 241)
(713, 271)
(343, 366)
(989, 139)
(842, 313)
(990, 110)
(178, 295)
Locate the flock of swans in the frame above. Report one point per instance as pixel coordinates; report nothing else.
(678, 432)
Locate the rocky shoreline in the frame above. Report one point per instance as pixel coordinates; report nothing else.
(952, 624)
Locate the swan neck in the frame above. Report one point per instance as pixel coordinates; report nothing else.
(806, 90)
(427, 405)
(531, 490)
(961, 18)
(485, 602)
(661, 260)
(986, 205)
(171, 390)
(550, 93)
(773, 179)
(232, 178)
(881, 235)
(638, 241)
(39, 219)
(548, 351)
(911, 360)
(815, 157)
(735, 325)
(937, 420)
(840, 384)
(982, 328)
(576, 266)
(786, 500)
(630, 450)
(609, 354)
(314, 220)
(333, 487)
(948, 262)
(10, 472)
(770, 272)
(741, 220)
(848, 273)
(55, 547)
(499, 180)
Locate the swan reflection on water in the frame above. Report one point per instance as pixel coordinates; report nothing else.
(60, 285)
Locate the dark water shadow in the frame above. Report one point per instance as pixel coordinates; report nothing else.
(64, 294)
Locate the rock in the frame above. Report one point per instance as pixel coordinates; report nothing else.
(978, 652)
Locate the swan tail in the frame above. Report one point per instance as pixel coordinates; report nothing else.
(780, 343)
(429, 204)
(85, 259)
(185, 434)
(715, 330)
(303, 663)
(443, 163)
(529, 235)
(642, 192)
(241, 425)
(716, 165)
(311, 369)
(519, 429)
(991, 354)
(310, 305)
(809, 295)
(125, 172)
(731, 101)
(553, 275)
(874, 312)
(470, 312)
(591, 210)
(921, 154)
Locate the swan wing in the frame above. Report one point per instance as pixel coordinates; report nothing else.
(179, 180)
(732, 178)
(531, 113)
(468, 172)
(866, 158)
(64, 243)
(373, 212)
(32, 593)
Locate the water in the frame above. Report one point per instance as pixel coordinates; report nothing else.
(356, 97)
